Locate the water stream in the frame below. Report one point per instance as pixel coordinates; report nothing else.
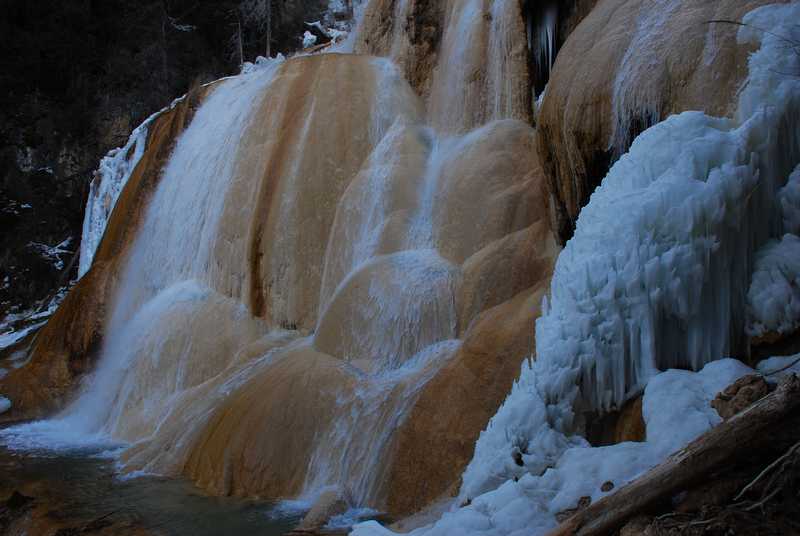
(80, 488)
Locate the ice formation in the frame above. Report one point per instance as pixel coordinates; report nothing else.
(110, 178)
(790, 203)
(546, 38)
(654, 278)
(773, 301)
(5, 404)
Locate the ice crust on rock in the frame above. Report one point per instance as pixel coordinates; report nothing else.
(655, 278)
(773, 301)
(110, 178)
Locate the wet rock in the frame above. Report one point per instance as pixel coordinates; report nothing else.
(772, 344)
(614, 427)
(739, 395)
(329, 504)
(14, 510)
(607, 486)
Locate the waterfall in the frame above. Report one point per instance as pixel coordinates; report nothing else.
(307, 262)
(284, 231)
(165, 288)
(481, 72)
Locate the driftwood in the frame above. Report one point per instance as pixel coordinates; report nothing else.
(754, 429)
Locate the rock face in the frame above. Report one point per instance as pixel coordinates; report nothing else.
(627, 424)
(327, 505)
(740, 395)
(626, 66)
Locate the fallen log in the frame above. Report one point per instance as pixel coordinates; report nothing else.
(765, 424)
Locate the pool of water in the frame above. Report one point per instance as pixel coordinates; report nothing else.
(82, 487)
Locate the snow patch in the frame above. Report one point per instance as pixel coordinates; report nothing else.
(53, 253)
(262, 63)
(11, 337)
(776, 368)
(309, 39)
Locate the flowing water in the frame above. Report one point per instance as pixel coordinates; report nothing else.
(80, 489)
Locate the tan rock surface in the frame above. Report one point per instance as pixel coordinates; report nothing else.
(628, 64)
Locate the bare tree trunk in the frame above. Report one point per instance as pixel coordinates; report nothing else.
(164, 59)
(241, 47)
(766, 424)
(269, 28)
